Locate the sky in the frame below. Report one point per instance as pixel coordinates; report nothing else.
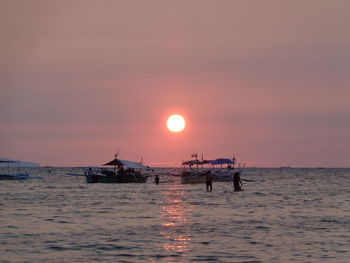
(266, 81)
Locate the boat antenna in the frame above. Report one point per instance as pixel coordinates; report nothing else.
(202, 160)
(194, 155)
(116, 153)
(233, 159)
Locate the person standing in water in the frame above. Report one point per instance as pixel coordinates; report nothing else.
(237, 182)
(208, 181)
(156, 179)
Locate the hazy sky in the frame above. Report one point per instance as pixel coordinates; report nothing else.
(268, 81)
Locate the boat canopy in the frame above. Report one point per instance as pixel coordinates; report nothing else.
(129, 164)
(219, 161)
(212, 162)
(192, 162)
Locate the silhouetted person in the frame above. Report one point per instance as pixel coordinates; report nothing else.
(121, 170)
(208, 182)
(237, 182)
(156, 179)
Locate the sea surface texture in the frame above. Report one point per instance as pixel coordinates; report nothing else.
(283, 215)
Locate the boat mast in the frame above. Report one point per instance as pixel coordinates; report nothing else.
(202, 160)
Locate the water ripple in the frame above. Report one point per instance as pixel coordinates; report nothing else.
(284, 215)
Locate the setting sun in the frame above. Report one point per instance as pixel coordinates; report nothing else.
(175, 123)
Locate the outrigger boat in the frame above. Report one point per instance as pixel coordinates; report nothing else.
(123, 172)
(12, 176)
(193, 175)
(198, 174)
(222, 174)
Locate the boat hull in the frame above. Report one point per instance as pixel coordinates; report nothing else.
(116, 179)
(222, 175)
(194, 177)
(14, 176)
(197, 177)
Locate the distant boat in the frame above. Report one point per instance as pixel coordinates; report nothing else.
(14, 164)
(123, 172)
(12, 176)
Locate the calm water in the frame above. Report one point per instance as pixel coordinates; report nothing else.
(287, 215)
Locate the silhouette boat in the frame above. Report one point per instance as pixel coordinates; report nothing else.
(195, 171)
(123, 172)
(192, 173)
(221, 174)
(12, 176)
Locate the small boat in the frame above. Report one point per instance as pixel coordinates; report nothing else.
(12, 176)
(123, 172)
(198, 174)
(222, 174)
(192, 175)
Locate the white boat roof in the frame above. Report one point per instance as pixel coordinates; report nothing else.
(134, 165)
(129, 164)
(220, 161)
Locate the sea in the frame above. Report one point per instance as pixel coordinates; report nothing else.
(283, 215)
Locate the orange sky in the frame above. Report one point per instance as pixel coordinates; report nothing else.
(267, 81)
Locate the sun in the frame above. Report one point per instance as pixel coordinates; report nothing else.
(176, 123)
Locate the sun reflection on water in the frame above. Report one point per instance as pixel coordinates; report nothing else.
(175, 214)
